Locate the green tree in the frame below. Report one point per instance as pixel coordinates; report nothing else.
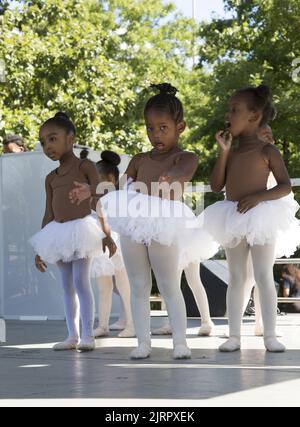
(92, 59)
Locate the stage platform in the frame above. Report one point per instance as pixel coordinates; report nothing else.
(32, 374)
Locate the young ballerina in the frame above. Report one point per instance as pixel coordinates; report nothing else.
(70, 235)
(253, 220)
(157, 230)
(107, 270)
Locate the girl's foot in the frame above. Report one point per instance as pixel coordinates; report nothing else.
(143, 351)
(206, 329)
(181, 351)
(68, 344)
(164, 330)
(273, 345)
(128, 332)
(117, 326)
(86, 344)
(233, 344)
(100, 332)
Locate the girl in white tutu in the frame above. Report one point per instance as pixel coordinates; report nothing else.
(157, 230)
(70, 235)
(253, 219)
(109, 270)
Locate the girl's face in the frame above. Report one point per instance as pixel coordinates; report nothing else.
(163, 132)
(56, 142)
(242, 120)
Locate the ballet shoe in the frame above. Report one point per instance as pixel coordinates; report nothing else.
(128, 332)
(273, 345)
(164, 330)
(100, 332)
(233, 344)
(181, 351)
(143, 351)
(86, 344)
(117, 326)
(68, 344)
(206, 329)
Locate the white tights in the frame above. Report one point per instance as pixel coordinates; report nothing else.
(263, 261)
(139, 259)
(105, 287)
(78, 297)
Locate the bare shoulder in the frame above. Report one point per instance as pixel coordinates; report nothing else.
(87, 166)
(270, 151)
(137, 158)
(50, 177)
(188, 156)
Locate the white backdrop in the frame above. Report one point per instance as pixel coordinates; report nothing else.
(24, 291)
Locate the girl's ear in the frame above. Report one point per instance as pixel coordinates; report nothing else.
(111, 178)
(181, 126)
(71, 138)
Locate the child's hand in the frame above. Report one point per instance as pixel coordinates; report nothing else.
(166, 177)
(109, 243)
(80, 193)
(40, 264)
(265, 134)
(224, 142)
(247, 203)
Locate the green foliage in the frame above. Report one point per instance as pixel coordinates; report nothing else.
(92, 59)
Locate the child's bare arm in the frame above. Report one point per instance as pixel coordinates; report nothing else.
(218, 176)
(48, 215)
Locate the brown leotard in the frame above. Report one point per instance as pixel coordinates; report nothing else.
(58, 186)
(247, 171)
(144, 168)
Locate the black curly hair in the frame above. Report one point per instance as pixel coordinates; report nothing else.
(165, 101)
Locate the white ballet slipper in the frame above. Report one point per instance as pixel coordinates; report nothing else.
(100, 332)
(128, 332)
(273, 345)
(181, 351)
(86, 344)
(164, 330)
(143, 351)
(117, 326)
(68, 344)
(206, 329)
(233, 344)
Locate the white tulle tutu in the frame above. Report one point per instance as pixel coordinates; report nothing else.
(69, 241)
(269, 222)
(146, 219)
(104, 266)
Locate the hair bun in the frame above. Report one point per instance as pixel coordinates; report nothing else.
(62, 115)
(264, 91)
(111, 157)
(165, 89)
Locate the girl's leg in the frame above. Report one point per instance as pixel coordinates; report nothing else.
(192, 274)
(120, 324)
(81, 280)
(71, 304)
(105, 288)
(164, 262)
(237, 262)
(123, 286)
(250, 284)
(139, 273)
(263, 260)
